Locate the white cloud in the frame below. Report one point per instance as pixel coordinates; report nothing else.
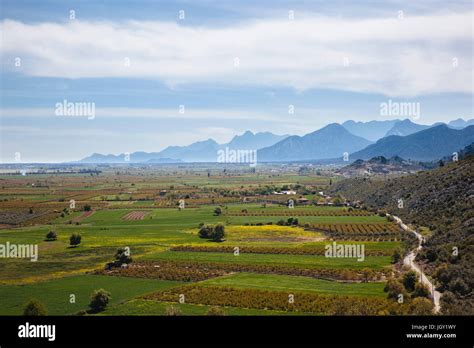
(396, 57)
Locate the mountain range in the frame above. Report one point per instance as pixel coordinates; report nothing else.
(392, 138)
(328, 142)
(405, 127)
(201, 151)
(427, 145)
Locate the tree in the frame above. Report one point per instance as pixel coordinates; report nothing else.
(99, 300)
(205, 231)
(51, 236)
(292, 221)
(34, 308)
(87, 207)
(75, 239)
(215, 311)
(409, 280)
(218, 233)
(396, 256)
(123, 256)
(217, 211)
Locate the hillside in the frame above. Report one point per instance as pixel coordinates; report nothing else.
(442, 200)
(380, 165)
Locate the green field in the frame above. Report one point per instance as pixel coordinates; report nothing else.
(55, 294)
(147, 307)
(303, 261)
(62, 270)
(297, 284)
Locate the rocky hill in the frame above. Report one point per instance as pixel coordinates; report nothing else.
(442, 200)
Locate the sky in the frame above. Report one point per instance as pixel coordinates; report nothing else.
(160, 73)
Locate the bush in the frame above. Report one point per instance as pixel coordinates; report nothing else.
(205, 232)
(34, 308)
(459, 286)
(396, 256)
(215, 311)
(51, 236)
(409, 280)
(292, 221)
(421, 306)
(122, 256)
(420, 291)
(394, 288)
(218, 233)
(217, 211)
(99, 300)
(172, 311)
(75, 239)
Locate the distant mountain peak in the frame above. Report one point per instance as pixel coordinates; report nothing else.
(426, 145)
(330, 141)
(370, 130)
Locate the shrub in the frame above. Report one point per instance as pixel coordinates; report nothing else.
(409, 280)
(51, 236)
(75, 239)
(394, 288)
(396, 256)
(99, 300)
(420, 291)
(172, 311)
(215, 311)
(122, 256)
(34, 308)
(218, 233)
(205, 232)
(420, 306)
(217, 211)
(87, 207)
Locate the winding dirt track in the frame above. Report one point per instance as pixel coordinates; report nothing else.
(409, 261)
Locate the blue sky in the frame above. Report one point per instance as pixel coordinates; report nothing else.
(234, 65)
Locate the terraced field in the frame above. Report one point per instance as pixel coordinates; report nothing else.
(268, 250)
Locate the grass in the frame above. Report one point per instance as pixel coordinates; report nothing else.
(61, 270)
(55, 294)
(149, 308)
(303, 261)
(296, 284)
